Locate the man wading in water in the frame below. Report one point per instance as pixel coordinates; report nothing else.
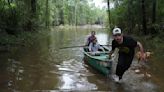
(126, 46)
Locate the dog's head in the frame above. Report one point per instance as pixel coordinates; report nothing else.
(148, 54)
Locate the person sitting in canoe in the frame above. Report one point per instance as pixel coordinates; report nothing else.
(90, 38)
(95, 47)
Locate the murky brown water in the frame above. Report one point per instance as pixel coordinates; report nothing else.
(44, 67)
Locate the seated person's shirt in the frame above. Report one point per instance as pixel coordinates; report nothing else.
(90, 40)
(94, 47)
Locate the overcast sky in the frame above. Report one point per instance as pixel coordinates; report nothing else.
(100, 3)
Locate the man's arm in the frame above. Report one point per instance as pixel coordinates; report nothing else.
(112, 50)
(87, 41)
(110, 53)
(141, 49)
(90, 47)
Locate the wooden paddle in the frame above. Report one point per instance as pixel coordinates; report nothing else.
(72, 47)
(79, 46)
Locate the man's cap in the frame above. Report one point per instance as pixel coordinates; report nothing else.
(116, 31)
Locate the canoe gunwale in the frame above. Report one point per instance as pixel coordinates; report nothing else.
(99, 62)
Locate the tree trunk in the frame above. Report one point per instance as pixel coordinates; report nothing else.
(154, 12)
(129, 17)
(47, 14)
(32, 16)
(61, 17)
(109, 20)
(144, 18)
(33, 6)
(62, 13)
(75, 12)
(11, 23)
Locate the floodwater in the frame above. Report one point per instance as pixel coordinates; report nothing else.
(50, 66)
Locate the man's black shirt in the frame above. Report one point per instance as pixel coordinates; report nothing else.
(127, 47)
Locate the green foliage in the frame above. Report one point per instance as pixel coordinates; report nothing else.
(26, 15)
(128, 15)
(18, 15)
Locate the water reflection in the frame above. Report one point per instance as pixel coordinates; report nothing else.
(73, 76)
(102, 38)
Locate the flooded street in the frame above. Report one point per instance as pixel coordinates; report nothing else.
(45, 67)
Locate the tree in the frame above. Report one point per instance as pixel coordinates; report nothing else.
(144, 17)
(47, 14)
(108, 3)
(27, 15)
(154, 12)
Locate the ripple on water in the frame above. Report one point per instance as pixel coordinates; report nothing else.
(75, 82)
(74, 76)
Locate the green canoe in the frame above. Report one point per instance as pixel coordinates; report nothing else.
(100, 62)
